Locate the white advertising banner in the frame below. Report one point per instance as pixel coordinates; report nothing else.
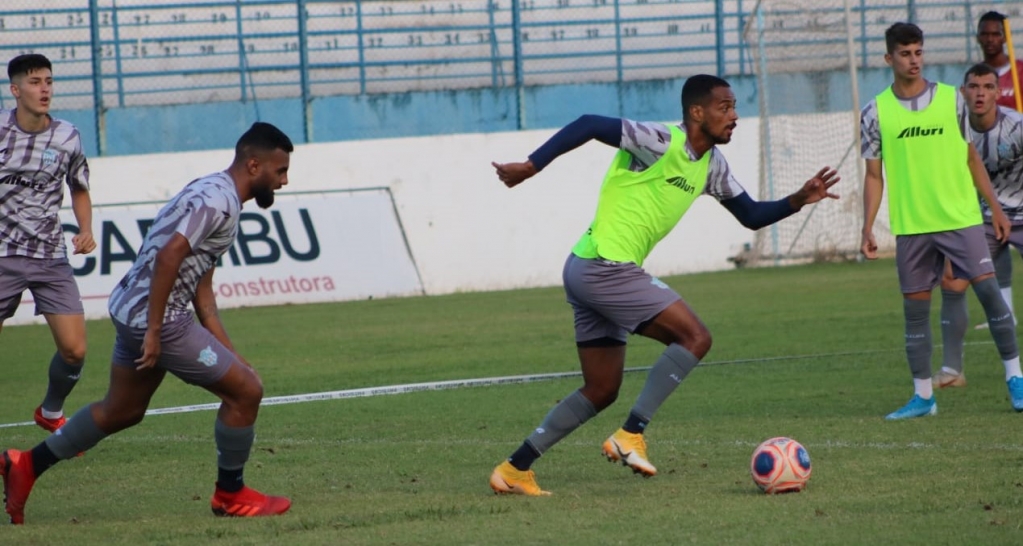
(310, 247)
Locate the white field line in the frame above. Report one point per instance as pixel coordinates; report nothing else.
(467, 383)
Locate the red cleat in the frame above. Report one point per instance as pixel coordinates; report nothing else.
(16, 471)
(247, 503)
(50, 425)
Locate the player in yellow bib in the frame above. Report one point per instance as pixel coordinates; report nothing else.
(657, 174)
(933, 173)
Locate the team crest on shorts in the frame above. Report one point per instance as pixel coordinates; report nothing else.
(208, 357)
(49, 156)
(658, 283)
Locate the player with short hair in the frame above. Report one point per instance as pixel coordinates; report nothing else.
(656, 175)
(156, 332)
(38, 155)
(991, 38)
(997, 133)
(933, 173)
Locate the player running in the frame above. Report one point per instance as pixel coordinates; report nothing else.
(156, 332)
(657, 174)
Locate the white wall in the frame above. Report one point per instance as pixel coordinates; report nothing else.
(466, 230)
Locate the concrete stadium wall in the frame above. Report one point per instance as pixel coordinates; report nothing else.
(187, 127)
(465, 230)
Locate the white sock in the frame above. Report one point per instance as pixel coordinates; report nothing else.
(949, 371)
(59, 414)
(925, 390)
(1012, 368)
(1007, 296)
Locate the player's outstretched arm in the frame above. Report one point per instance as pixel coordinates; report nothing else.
(81, 205)
(873, 189)
(982, 182)
(584, 129)
(757, 214)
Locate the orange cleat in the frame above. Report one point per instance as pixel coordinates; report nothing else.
(18, 476)
(506, 479)
(50, 425)
(630, 450)
(247, 503)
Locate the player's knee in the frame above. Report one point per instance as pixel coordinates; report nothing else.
(698, 342)
(251, 394)
(111, 419)
(73, 354)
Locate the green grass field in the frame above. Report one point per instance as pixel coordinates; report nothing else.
(413, 468)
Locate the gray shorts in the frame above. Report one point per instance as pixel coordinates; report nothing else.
(920, 259)
(187, 350)
(51, 282)
(612, 299)
(995, 247)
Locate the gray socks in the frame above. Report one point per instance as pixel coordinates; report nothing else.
(918, 336)
(671, 368)
(565, 417)
(1003, 267)
(953, 329)
(78, 435)
(63, 378)
(233, 445)
(999, 317)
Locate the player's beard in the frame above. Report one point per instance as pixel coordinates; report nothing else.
(264, 197)
(722, 138)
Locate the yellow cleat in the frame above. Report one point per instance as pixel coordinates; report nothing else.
(507, 479)
(943, 379)
(630, 449)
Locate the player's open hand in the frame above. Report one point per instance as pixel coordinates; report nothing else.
(817, 188)
(513, 174)
(83, 243)
(869, 246)
(1002, 225)
(150, 350)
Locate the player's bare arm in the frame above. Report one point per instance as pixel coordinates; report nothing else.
(165, 273)
(81, 205)
(982, 182)
(873, 189)
(205, 305)
(816, 189)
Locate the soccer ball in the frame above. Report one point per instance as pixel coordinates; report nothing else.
(780, 465)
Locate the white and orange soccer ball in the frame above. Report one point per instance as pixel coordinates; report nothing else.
(780, 465)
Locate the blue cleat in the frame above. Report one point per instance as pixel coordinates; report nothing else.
(1016, 392)
(918, 407)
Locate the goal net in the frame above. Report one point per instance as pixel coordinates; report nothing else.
(804, 57)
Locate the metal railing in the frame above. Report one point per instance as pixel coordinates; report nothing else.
(124, 53)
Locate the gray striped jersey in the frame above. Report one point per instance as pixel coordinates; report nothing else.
(1001, 148)
(33, 170)
(647, 141)
(206, 213)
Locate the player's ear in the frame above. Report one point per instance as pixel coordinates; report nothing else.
(696, 113)
(888, 59)
(252, 165)
(15, 92)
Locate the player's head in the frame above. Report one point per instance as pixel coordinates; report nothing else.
(980, 89)
(905, 43)
(991, 34)
(264, 152)
(31, 78)
(708, 103)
